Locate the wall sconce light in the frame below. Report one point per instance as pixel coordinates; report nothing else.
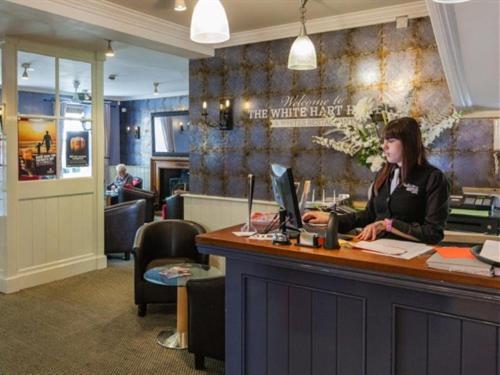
(155, 88)
(137, 131)
(225, 115)
(181, 126)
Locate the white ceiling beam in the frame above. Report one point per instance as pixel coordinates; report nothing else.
(368, 17)
(138, 28)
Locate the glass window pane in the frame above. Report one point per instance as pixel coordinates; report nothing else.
(36, 81)
(75, 86)
(76, 148)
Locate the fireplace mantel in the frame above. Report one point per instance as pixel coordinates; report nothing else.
(165, 162)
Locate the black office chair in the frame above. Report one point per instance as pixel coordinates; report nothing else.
(157, 244)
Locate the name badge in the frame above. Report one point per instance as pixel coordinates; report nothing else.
(411, 188)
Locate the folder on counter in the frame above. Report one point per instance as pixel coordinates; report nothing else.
(455, 264)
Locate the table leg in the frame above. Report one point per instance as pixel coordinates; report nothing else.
(179, 339)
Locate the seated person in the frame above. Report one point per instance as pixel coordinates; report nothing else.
(409, 198)
(122, 178)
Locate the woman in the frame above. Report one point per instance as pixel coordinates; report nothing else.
(122, 178)
(409, 197)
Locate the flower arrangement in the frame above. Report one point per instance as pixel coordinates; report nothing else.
(359, 136)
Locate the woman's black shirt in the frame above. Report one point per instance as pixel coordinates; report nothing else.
(418, 207)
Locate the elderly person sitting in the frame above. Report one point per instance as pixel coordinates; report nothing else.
(122, 178)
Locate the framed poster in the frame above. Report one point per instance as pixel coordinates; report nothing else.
(77, 149)
(37, 149)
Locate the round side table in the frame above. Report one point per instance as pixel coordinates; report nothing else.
(178, 339)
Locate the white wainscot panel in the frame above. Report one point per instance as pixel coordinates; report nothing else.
(215, 213)
(55, 229)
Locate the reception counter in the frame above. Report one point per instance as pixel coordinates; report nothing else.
(297, 310)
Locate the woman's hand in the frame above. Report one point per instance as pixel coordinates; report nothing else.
(316, 217)
(370, 232)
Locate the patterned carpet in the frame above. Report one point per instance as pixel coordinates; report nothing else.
(88, 324)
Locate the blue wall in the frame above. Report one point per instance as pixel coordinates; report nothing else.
(133, 113)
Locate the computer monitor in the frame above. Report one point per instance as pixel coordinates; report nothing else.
(285, 195)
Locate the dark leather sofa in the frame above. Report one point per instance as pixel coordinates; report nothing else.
(159, 243)
(206, 319)
(127, 194)
(121, 222)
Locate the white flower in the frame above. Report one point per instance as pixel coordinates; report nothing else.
(351, 135)
(376, 162)
(363, 109)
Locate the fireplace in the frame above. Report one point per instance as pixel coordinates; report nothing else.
(168, 173)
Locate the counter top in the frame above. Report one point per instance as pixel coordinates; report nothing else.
(345, 257)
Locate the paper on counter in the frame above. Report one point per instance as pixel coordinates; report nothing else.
(394, 248)
(455, 252)
(244, 234)
(491, 250)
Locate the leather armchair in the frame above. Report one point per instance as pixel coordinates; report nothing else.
(206, 319)
(121, 222)
(157, 244)
(127, 194)
(175, 207)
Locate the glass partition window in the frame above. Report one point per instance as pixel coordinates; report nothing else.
(36, 84)
(55, 110)
(75, 82)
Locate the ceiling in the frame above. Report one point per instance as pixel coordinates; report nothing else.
(142, 38)
(244, 15)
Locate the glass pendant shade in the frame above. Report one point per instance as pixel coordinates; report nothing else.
(303, 53)
(209, 22)
(180, 5)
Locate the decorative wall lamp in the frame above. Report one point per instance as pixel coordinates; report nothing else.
(137, 131)
(225, 115)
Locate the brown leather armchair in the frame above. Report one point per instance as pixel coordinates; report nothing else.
(206, 319)
(127, 194)
(121, 222)
(159, 243)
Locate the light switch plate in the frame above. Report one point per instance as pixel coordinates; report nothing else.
(402, 22)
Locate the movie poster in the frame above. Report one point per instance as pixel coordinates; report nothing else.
(77, 149)
(37, 147)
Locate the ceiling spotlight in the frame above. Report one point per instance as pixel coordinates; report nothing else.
(302, 53)
(155, 86)
(112, 77)
(26, 67)
(450, 1)
(209, 22)
(180, 6)
(109, 49)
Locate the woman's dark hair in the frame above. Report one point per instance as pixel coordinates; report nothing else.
(407, 130)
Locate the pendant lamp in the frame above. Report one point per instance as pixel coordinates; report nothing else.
(209, 22)
(302, 53)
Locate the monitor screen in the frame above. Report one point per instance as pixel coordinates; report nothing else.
(285, 194)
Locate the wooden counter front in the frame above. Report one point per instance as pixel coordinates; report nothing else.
(354, 258)
(298, 310)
